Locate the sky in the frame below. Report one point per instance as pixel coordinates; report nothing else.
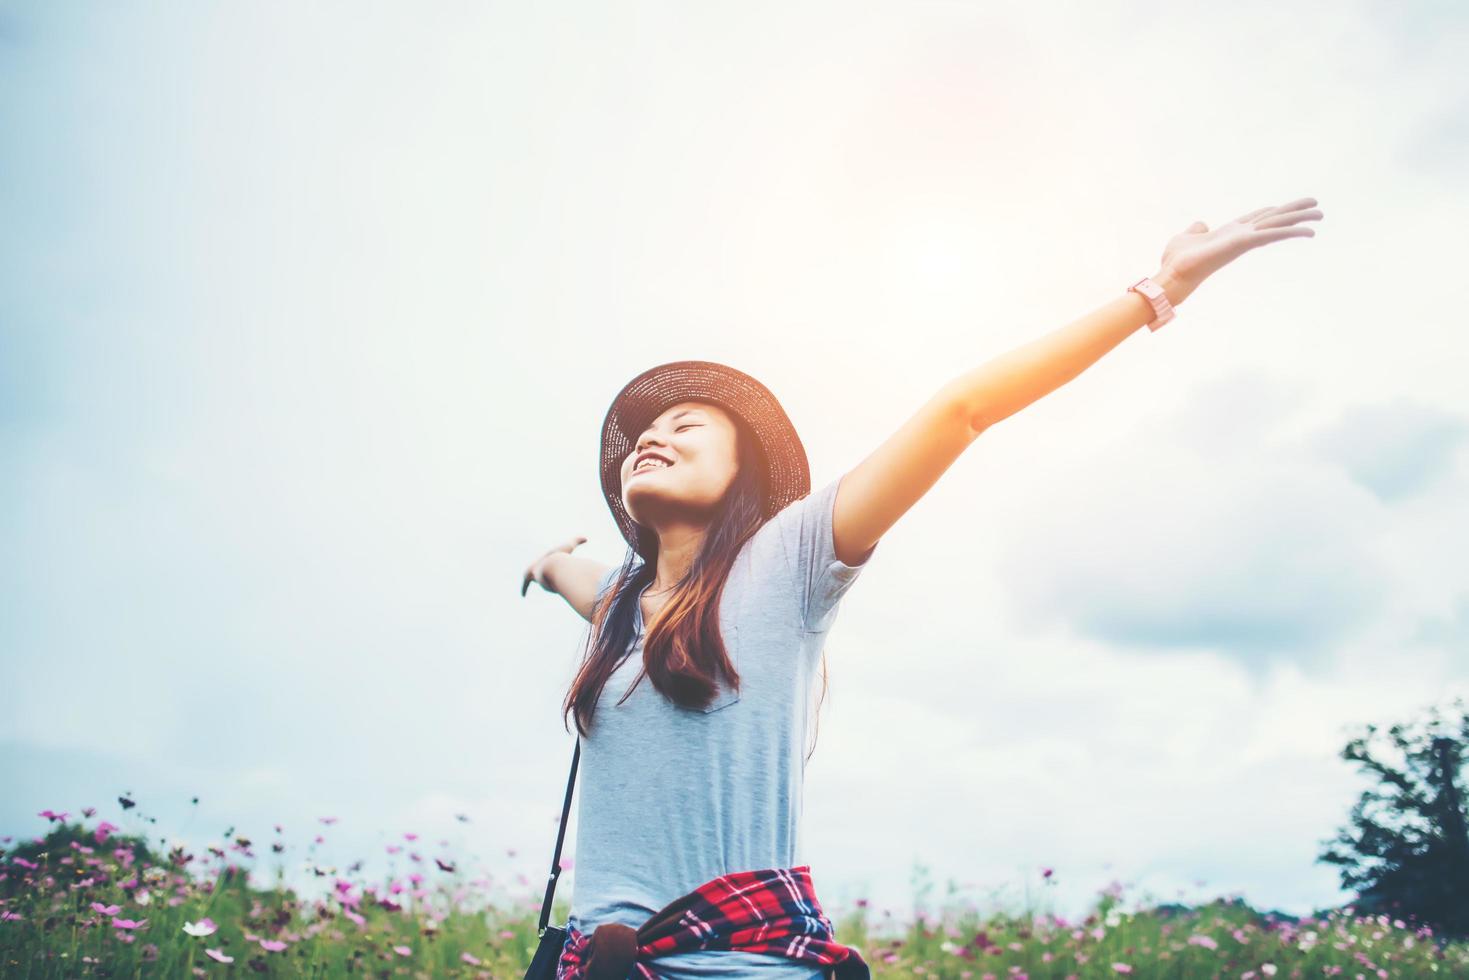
(310, 316)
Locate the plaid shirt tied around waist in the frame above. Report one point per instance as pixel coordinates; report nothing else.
(772, 911)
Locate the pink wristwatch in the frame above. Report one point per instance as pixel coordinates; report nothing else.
(1155, 295)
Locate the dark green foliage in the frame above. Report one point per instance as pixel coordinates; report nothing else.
(57, 845)
(1407, 852)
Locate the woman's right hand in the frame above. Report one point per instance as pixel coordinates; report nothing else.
(536, 571)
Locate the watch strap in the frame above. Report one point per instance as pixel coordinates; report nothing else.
(1157, 298)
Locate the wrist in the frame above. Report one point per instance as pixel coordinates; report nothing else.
(1176, 289)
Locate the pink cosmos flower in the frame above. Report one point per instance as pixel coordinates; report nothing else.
(360, 920)
(129, 923)
(394, 848)
(52, 815)
(469, 958)
(218, 954)
(1203, 941)
(1121, 967)
(272, 945)
(328, 820)
(8, 916)
(106, 909)
(402, 950)
(407, 836)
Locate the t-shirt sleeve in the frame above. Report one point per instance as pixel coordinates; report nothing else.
(806, 532)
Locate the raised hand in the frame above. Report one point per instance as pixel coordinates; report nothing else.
(1196, 253)
(536, 571)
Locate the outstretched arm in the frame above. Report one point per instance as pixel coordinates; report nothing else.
(881, 488)
(572, 577)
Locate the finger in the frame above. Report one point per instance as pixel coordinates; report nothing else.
(1296, 205)
(1276, 234)
(1249, 216)
(1288, 218)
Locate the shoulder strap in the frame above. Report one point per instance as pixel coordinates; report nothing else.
(560, 836)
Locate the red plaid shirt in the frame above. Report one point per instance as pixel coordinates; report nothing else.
(772, 911)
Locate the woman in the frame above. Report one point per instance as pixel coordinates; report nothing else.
(694, 698)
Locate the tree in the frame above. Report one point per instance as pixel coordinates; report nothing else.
(1407, 851)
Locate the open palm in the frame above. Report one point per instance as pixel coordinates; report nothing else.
(1196, 253)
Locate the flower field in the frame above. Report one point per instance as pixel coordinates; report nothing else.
(85, 901)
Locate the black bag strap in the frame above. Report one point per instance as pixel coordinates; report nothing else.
(560, 836)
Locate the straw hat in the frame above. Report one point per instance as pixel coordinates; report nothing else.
(645, 397)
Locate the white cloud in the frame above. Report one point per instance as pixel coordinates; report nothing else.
(1396, 449)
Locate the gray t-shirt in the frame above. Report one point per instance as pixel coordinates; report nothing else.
(671, 797)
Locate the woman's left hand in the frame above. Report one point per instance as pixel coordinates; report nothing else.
(1196, 253)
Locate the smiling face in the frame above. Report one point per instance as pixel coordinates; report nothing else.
(699, 442)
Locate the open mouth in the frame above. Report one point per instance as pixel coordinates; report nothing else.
(650, 467)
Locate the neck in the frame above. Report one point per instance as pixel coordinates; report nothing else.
(676, 553)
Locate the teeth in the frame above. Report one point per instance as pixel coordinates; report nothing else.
(650, 462)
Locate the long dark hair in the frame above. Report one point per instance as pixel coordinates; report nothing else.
(683, 651)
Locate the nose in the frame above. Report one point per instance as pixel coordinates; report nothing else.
(644, 443)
